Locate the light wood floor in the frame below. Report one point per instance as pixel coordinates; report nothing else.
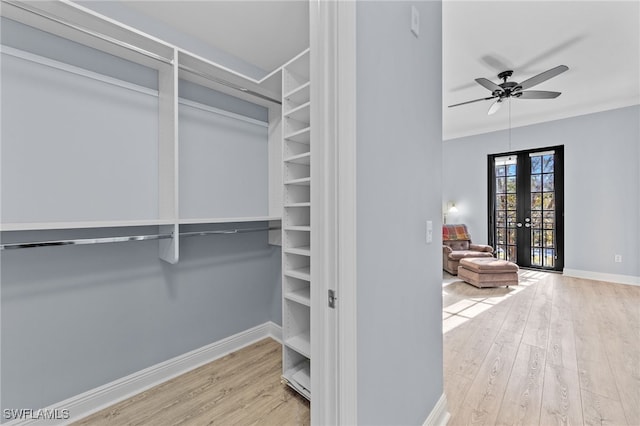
(552, 351)
(242, 388)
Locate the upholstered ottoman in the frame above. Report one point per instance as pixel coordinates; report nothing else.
(488, 272)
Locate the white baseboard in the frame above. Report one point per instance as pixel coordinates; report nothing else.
(439, 416)
(94, 400)
(599, 276)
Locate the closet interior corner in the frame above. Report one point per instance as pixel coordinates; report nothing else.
(109, 133)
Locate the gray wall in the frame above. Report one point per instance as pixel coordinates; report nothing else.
(77, 317)
(399, 160)
(602, 184)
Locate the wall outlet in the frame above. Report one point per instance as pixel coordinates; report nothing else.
(415, 21)
(429, 231)
(618, 258)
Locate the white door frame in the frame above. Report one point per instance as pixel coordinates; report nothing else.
(333, 221)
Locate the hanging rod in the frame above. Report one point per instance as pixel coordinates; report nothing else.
(227, 84)
(136, 49)
(85, 241)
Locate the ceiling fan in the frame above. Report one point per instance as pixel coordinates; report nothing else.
(513, 89)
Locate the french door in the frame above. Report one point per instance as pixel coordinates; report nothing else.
(526, 207)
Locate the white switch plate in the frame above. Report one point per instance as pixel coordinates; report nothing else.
(618, 258)
(415, 21)
(429, 231)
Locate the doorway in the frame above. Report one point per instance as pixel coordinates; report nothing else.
(526, 207)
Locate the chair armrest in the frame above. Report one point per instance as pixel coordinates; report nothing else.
(446, 249)
(481, 247)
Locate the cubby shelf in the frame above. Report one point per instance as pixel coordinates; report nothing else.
(303, 228)
(301, 273)
(296, 205)
(306, 181)
(296, 220)
(301, 113)
(300, 343)
(302, 296)
(300, 136)
(304, 158)
(299, 378)
(302, 251)
(299, 95)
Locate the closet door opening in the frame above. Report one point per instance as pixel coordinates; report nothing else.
(526, 207)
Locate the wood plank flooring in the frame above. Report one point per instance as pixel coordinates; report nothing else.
(553, 350)
(242, 388)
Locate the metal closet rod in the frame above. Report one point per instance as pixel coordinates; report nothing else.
(137, 49)
(85, 241)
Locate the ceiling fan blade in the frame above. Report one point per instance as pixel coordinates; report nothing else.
(495, 107)
(544, 76)
(488, 84)
(475, 100)
(537, 94)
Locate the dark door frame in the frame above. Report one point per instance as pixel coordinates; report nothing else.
(523, 179)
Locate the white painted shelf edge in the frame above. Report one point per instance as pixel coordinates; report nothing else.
(39, 226)
(227, 219)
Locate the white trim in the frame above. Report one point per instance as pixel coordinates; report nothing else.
(439, 416)
(208, 108)
(601, 276)
(333, 156)
(72, 69)
(94, 400)
(346, 187)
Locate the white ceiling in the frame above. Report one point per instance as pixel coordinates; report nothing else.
(264, 33)
(598, 40)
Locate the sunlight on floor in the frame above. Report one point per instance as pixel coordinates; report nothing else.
(478, 300)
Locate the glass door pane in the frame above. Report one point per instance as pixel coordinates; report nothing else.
(525, 207)
(506, 202)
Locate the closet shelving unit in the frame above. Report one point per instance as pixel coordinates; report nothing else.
(81, 25)
(286, 94)
(296, 225)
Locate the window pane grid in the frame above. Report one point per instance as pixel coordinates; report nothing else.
(543, 224)
(505, 210)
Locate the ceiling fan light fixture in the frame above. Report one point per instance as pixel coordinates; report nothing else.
(495, 107)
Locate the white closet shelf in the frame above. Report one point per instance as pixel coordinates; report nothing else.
(301, 273)
(300, 343)
(40, 226)
(300, 136)
(304, 158)
(302, 296)
(227, 219)
(301, 113)
(294, 205)
(306, 181)
(302, 251)
(306, 228)
(300, 94)
(131, 44)
(299, 378)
